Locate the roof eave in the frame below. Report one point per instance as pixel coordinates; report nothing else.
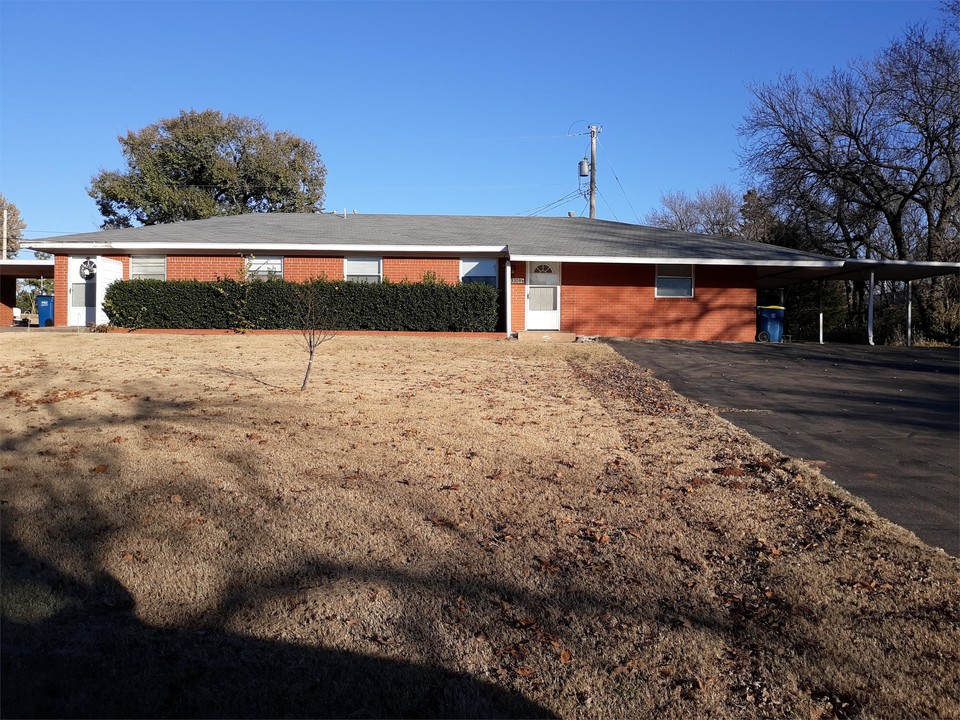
(270, 247)
(740, 262)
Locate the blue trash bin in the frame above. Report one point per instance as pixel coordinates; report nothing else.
(770, 323)
(45, 310)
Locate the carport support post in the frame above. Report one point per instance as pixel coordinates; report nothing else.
(909, 313)
(870, 313)
(820, 301)
(508, 281)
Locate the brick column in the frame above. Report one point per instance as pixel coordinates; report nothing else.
(8, 299)
(518, 297)
(61, 285)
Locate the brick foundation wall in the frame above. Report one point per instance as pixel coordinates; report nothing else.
(618, 300)
(301, 269)
(413, 269)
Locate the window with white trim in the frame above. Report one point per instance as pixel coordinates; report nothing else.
(367, 270)
(265, 268)
(148, 267)
(674, 281)
(478, 271)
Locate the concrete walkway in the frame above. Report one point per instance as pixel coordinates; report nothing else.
(882, 422)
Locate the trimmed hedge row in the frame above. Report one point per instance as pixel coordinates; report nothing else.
(279, 304)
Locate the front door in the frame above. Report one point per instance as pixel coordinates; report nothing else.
(543, 296)
(89, 279)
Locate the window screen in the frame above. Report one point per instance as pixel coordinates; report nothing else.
(148, 267)
(362, 269)
(83, 295)
(479, 271)
(264, 268)
(543, 298)
(674, 281)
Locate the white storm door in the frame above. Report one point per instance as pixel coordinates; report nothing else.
(543, 296)
(108, 272)
(85, 291)
(81, 293)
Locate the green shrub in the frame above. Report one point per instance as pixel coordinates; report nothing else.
(278, 304)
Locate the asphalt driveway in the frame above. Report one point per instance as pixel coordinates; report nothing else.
(882, 422)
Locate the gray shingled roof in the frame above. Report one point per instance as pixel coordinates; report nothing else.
(520, 237)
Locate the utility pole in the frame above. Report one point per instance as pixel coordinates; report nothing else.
(594, 130)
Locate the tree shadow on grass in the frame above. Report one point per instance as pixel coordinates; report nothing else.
(76, 650)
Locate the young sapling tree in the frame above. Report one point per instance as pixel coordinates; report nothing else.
(314, 320)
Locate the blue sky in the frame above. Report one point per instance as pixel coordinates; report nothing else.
(433, 108)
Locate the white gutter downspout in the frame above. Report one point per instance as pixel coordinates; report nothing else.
(870, 313)
(509, 290)
(909, 313)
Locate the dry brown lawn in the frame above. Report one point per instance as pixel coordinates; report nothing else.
(435, 528)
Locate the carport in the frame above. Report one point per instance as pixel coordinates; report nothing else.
(868, 271)
(10, 272)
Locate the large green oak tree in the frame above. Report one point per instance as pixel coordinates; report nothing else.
(204, 164)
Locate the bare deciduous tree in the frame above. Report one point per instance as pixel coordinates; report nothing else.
(712, 212)
(867, 160)
(15, 226)
(315, 321)
(867, 146)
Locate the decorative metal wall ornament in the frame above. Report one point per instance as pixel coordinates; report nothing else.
(88, 268)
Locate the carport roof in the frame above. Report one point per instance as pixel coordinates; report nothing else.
(859, 270)
(27, 268)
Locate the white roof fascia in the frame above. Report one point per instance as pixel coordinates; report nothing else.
(677, 261)
(43, 245)
(274, 247)
(28, 263)
(875, 262)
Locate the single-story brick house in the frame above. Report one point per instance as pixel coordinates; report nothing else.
(588, 277)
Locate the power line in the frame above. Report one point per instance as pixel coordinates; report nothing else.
(607, 158)
(608, 206)
(550, 205)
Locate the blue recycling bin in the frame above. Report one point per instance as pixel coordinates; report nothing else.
(770, 323)
(45, 310)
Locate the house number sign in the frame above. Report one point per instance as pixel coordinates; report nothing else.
(518, 281)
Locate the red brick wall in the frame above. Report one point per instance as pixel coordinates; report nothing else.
(595, 299)
(618, 300)
(413, 269)
(61, 285)
(204, 267)
(300, 269)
